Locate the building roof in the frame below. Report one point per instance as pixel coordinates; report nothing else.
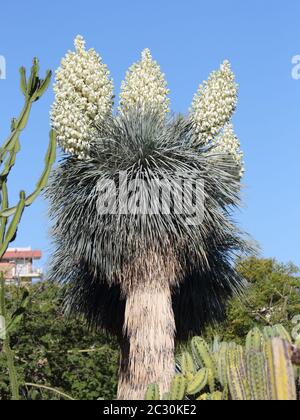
(13, 254)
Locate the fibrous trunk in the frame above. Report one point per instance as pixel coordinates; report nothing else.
(148, 343)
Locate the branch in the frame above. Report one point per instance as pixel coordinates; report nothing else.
(42, 182)
(48, 388)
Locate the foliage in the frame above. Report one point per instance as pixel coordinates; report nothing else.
(272, 297)
(52, 351)
(48, 347)
(261, 370)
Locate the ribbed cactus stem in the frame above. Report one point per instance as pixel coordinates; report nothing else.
(254, 341)
(187, 365)
(217, 396)
(42, 182)
(11, 231)
(178, 388)
(236, 374)
(221, 360)
(202, 354)
(32, 91)
(283, 370)
(4, 204)
(281, 332)
(8, 152)
(13, 380)
(198, 383)
(256, 369)
(20, 124)
(152, 393)
(270, 370)
(211, 380)
(269, 333)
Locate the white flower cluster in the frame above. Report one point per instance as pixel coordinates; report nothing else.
(83, 95)
(214, 103)
(145, 87)
(228, 143)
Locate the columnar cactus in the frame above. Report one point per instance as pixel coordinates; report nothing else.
(139, 263)
(10, 217)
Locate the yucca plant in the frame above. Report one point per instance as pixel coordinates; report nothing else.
(141, 204)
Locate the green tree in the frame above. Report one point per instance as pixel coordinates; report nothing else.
(54, 351)
(272, 296)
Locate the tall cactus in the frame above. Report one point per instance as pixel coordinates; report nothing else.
(283, 370)
(178, 387)
(254, 341)
(236, 373)
(10, 217)
(257, 375)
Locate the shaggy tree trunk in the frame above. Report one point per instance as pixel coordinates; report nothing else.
(147, 352)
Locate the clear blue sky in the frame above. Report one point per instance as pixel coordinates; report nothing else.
(189, 39)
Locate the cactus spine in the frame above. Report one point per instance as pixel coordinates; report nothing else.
(152, 393)
(271, 383)
(269, 333)
(187, 365)
(221, 362)
(178, 387)
(283, 370)
(256, 370)
(254, 341)
(281, 332)
(235, 374)
(202, 354)
(198, 383)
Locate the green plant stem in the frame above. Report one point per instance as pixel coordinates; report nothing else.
(32, 91)
(13, 379)
(14, 384)
(42, 182)
(48, 388)
(19, 126)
